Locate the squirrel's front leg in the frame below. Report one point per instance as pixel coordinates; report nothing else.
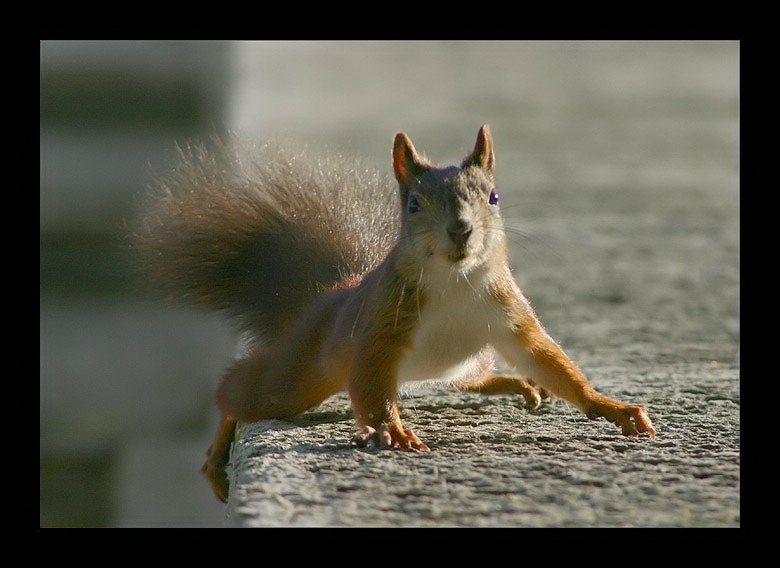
(373, 390)
(533, 351)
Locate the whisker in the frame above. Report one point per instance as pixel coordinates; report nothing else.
(470, 285)
(398, 306)
(357, 317)
(417, 292)
(527, 241)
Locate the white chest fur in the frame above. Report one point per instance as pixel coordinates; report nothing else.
(456, 324)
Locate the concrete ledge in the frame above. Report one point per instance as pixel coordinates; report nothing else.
(495, 464)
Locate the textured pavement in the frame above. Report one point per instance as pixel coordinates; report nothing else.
(618, 165)
(493, 464)
(641, 288)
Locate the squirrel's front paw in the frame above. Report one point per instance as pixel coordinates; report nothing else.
(390, 437)
(632, 418)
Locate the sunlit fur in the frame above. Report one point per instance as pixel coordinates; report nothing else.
(340, 284)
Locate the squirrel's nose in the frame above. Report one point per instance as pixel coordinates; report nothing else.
(460, 231)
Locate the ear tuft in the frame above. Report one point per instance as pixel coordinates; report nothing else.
(406, 162)
(482, 156)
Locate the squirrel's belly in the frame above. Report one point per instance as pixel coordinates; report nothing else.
(450, 344)
(417, 367)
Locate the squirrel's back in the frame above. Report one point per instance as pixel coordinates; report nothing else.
(258, 233)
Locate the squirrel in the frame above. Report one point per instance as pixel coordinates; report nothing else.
(342, 283)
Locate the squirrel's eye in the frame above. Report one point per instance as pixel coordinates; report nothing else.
(493, 200)
(412, 205)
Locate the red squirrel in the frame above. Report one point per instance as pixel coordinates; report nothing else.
(342, 284)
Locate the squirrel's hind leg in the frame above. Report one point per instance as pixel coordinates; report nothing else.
(275, 382)
(507, 384)
(218, 456)
(265, 384)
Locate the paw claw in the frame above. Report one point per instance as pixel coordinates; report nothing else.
(632, 419)
(386, 437)
(366, 435)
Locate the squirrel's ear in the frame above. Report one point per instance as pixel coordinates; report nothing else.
(482, 155)
(406, 162)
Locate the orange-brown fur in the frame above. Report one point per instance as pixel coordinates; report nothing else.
(358, 319)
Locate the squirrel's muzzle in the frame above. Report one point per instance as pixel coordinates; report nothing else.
(459, 231)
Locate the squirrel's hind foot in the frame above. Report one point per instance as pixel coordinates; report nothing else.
(217, 478)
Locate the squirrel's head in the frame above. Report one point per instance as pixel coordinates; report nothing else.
(450, 215)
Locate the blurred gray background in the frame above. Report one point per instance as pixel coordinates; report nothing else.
(126, 382)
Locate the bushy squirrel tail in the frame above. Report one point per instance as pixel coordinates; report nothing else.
(259, 233)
